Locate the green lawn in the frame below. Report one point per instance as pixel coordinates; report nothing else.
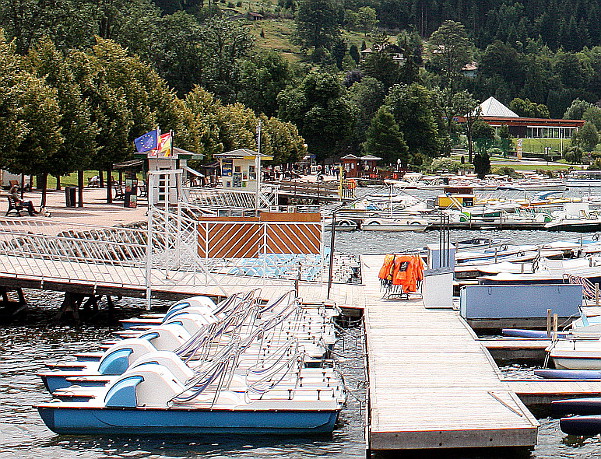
(71, 179)
(277, 36)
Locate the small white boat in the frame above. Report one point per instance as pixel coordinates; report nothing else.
(394, 224)
(580, 354)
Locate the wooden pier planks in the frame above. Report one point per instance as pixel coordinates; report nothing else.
(544, 391)
(431, 383)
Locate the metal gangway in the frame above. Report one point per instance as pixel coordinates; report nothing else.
(160, 257)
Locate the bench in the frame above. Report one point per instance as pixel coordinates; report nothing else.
(14, 206)
(118, 189)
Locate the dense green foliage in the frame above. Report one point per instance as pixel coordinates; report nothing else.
(101, 72)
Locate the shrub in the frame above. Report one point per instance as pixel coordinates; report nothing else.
(573, 155)
(505, 170)
(595, 165)
(447, 164)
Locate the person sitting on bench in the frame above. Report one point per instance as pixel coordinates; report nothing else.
(14, 193)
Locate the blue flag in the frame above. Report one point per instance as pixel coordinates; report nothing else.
(146, 142)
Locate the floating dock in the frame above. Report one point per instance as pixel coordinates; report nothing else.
(432, 384)
(544, 391)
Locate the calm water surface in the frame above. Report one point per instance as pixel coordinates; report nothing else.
(24, 348)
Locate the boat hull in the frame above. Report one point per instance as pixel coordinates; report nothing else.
(141, 421)
(534, 334)
(568, 374)
(579, 406)
(576, 363)
(581, 425)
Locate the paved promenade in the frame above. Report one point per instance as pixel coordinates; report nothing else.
(95, 211)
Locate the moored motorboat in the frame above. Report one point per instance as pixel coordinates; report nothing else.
(576, 354)
(394, 224)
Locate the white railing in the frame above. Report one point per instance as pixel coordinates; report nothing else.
(219, 198)
(173, 250)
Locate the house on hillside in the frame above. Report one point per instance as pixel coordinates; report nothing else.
(395, 52)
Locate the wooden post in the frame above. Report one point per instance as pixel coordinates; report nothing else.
(597, 294)
(548, 323)
(555, 320)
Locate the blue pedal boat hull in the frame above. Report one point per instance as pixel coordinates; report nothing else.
(148, 421)
(535, 334)
(568, 374)
(581, 425)
(54, 382)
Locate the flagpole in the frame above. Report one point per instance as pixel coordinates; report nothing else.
(258, 167)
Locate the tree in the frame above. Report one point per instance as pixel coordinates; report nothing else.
(505, 137)
(366, 96)
(320, 111)
(482, 164)
(483, 135)
(593, 114)
(29, 117)
(366, 19)
(203, 123)
(262, 78)
(76, 125)
(501, 59)
(573, 155)
(223, 44)
(317, 23)
(450, 50)
(453, 105)
(527, 108)
(285, 143)
(338, 52)
(576, 110)
(587, 137)
(385, 139)
(177, 56)
(379, 63)
(413, 109)
(354, 53)
(411, 45)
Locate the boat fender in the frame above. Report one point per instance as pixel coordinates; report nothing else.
(115, 363)
(123, 393)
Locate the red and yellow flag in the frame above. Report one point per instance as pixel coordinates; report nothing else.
(164, 147)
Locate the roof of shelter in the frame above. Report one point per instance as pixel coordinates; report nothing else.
(241, 153)
(492, 107)
(370, 158)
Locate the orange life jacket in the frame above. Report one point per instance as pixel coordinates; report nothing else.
(386, 269)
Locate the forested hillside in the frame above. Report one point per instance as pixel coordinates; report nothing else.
(559, 23)
(384, 77)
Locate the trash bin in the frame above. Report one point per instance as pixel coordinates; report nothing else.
(70, 196)
(131, 192)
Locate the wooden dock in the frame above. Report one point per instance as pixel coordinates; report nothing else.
(517, 349)
(432, 384)
(544, 391)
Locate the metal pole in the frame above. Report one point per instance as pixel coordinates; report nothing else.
(258, 167)
(331, 267)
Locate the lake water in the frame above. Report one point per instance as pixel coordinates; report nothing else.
(24, 348)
